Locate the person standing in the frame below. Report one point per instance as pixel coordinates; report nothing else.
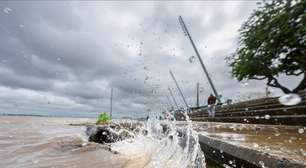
(211, 101)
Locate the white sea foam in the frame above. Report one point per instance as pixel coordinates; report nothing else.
(165, 145)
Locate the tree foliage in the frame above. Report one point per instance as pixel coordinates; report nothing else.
(273, 42)
(103, 118)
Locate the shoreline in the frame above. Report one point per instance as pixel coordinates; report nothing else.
(46, 116)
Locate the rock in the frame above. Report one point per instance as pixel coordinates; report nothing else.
(102, 134)
(125, 134)
(107, 133)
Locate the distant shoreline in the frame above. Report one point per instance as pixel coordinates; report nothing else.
(62, 116)
(37, 115)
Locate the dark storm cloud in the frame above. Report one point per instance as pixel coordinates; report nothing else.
(71, 53)
(53, 33)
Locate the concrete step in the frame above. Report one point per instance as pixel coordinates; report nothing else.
(299, 120)
(262, 106)
(257, 102)
(288, 110)
(247, 145)
(253, 102)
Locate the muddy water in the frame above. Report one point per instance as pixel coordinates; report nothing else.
(50, 142)
(38, 142)
(284, 141)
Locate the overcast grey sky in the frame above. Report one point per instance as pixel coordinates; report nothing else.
(62, 58)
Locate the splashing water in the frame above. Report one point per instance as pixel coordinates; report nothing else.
(164, 145)
(301, 130)
(244, 84)
(192, 59)
(290, 99)
(7, 10)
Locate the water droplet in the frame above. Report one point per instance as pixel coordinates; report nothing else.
(255, 145)
(303, 152)
(35, 161)
(192, 59)
(290, 99)
(21, 26)
(58, 59)
(146, 78)
(244, 84)
(257, 117)
(301, 130)
(267, 117)
(262, 164)
(7, 10)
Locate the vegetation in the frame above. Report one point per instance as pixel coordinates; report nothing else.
(272, 43)
(103, 118)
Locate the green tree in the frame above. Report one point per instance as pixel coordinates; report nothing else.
(273, 42)
(103, 118)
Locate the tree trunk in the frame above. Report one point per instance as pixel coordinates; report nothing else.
(274, 83)
(301, 86)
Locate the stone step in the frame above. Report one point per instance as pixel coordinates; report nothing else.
(247, 145)
(266, 105)
(273, 119)
(253, 102)
(258, 102)
(289, 110)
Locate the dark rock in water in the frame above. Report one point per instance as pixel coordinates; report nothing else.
(103, 134)
(125, 134)
(108, 133)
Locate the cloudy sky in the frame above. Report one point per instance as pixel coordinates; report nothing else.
(62, 58)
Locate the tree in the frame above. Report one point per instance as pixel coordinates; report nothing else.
(273, 42)
(103, 118)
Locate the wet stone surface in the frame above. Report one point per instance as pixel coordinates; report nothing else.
(287, 142)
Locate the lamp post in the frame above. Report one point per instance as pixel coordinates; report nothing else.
(186, 32)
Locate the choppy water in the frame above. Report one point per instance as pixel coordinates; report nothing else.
(51, 142)
(165, 146)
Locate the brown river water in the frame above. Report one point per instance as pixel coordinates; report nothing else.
(50, 142)
(46, 142)
(41, 142)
